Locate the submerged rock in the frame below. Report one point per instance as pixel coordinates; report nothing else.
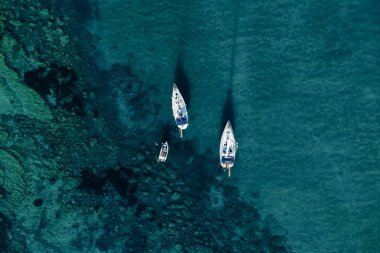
(175, 196)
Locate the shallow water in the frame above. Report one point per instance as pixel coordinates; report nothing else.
(303, 78)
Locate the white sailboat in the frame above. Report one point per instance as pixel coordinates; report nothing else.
(227, 149)
(179, 110)
(163, 152)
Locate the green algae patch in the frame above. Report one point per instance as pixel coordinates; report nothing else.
(18, 99)
(12, 182)
(3, 135)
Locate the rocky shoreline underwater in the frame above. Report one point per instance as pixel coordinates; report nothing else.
(69, 180)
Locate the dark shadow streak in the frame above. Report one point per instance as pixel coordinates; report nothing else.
(166, 133)
(234, 36)
(183, 82)
(84, 8)
(228, 112)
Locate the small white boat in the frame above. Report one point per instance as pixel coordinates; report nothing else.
(163, 152)
(228, 147)
(179, 110)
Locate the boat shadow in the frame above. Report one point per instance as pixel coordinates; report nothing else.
(228, 112)
(183, 82)
(166, 133)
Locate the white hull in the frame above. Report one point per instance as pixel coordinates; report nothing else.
(179, 109)
(163, 152)
(227, 149)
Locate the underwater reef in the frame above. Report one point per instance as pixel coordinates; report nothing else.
(69, 180)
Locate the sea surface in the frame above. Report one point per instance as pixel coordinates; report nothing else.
(300, 81)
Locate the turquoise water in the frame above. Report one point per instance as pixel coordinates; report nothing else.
(304, 77)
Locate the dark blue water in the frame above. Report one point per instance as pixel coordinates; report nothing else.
(300, 80)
